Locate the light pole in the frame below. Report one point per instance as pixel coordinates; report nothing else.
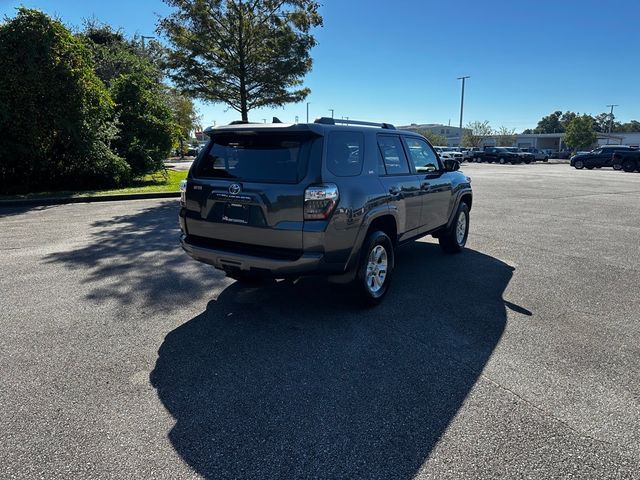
(144, 37)
(331, 110)
(462, 106)
(610, 122)
(308, 111)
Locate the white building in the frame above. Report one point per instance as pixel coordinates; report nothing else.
(451, 133)
(554, 141)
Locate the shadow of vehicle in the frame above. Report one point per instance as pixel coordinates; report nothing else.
(296, 381)
(136, 260)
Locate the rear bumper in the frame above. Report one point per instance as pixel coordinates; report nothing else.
(225, 259)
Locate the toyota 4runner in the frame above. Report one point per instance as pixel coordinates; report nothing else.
(330, 198)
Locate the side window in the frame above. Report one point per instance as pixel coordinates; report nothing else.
(393, 156)
(345, 153)
(422, 155)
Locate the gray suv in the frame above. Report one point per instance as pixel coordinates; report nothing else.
(328, 197)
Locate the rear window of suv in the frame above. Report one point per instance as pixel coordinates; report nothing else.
(256, 157)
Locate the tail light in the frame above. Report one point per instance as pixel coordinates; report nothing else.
(320, 201)
(183, 193)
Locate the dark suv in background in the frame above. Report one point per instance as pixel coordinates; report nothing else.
(599, 157)
(282, 200)
(499, 155)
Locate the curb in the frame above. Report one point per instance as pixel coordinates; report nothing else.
(32, 202)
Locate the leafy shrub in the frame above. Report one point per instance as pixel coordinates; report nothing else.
(56, 115)
(146, 128)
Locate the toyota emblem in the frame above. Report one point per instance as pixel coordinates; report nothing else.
(235, 188)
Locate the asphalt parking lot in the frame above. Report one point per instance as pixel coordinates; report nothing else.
(520, 358)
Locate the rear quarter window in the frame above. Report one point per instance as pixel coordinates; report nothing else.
(345, 153)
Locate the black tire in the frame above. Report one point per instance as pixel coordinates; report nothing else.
(369, 291)
(245, 277)
(579, 164)
(449, 240)
(628, 165)
(502, 161)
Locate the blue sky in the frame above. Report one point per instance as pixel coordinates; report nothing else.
(398, 61)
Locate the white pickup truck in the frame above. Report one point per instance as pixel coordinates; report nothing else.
(449, 153)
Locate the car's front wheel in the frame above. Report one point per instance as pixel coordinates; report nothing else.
(376, 267)
(454, 238)
(579, 164)
(502, 161)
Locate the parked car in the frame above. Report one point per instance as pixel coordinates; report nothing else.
(193, 151)
(449, 152)
(476, 153)
(526, 156)
(467, 154)
(598, 158)
(499, 155)
(320, 198)
(629, 161)
(563, 154)
(548, 152)
(539, 155)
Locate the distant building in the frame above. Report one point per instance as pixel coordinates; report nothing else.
(452, 134)
(554, 141)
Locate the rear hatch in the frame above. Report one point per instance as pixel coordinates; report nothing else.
(246, 189)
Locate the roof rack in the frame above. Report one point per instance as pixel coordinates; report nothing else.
(333, 121)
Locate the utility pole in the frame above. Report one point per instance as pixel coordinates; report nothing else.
(462, 104)
(610, 122)
(331, 110)
(144, 37)
(308, 111)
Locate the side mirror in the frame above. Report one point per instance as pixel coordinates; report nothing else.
(451, 165)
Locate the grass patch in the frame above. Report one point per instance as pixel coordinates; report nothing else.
(153, 183)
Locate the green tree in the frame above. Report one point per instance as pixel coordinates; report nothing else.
(566, 118)
(505, 137)
(246, 54)
(631, 126)
(601, 123)
(434, 138)
(55, 113)
(114, 55)
(146, 127)
(475, 133)
(550, 123)
(185, 116)
(580, 133)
